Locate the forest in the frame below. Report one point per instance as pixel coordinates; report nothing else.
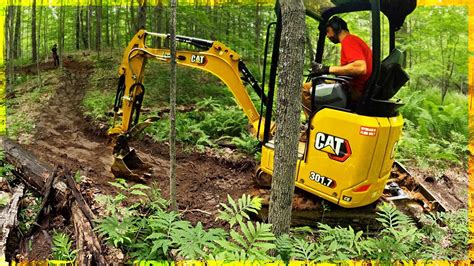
(56, 184)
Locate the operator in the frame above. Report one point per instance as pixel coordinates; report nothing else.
(356, 62)
(54, 50)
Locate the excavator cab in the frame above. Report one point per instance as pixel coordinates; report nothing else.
(349, 152)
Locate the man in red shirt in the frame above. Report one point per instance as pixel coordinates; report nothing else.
(356, 61)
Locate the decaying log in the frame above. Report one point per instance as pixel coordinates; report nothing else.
(57, 186)
(28, 168)
(80, 200)
(8, 217)
(86, 241)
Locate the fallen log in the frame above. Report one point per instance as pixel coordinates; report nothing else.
(28, 168)
(60, 189)
(8, 217)
(87, 243)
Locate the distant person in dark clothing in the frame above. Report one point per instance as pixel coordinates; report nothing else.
(55, 55)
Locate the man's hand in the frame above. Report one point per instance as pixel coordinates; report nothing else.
(318, 69)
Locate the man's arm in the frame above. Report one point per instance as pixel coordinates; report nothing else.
(356, 68)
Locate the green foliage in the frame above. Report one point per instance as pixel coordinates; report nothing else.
(97, 103)
(4, 200)
(252, 244)
(434, 134)
(236, 212)
(62, 247)
(204, 126)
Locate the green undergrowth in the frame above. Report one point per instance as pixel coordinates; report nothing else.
(25, 100)
(212, 116)
(435, 135)
(146, 230)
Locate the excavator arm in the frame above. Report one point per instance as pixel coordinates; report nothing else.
(216, 58)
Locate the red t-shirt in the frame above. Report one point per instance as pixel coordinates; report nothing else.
(354, 48)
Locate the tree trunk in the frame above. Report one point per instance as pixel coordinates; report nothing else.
(83, 30)
(133, 25)
(61, 34)
(45, 31)
(107, 26)
(158, 22)
(89, 27)
(98, 24)
(288, 112)
(9, 26)
(38, 37)
(34, 55)
(257, 37)
(17, 41)
(78, 25)
(173, 107)
(141, 20)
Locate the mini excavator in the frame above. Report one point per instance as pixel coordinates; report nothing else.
(348, 155)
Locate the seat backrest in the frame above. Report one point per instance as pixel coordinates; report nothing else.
(392, 76)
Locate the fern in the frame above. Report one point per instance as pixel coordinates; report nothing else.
(252, 244)
(238, 211)
(304, 250)
(284, 246)
(62, 247)
(193, 242)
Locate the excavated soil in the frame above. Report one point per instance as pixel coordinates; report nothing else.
(64, 137)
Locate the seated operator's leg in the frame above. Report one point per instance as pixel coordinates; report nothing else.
(306, 99)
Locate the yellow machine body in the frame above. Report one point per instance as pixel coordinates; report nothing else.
(347, 158)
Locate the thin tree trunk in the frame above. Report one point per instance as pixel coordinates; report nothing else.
(98, 24)
(40, 83)
(173, 107)
(107, 26)
(61, 34)
(141, 20)
(78, 25)
(89, 27)
(132, 18)
(9, 32)
(85, 41)
(257, 37)
(34, 55)
(288, 112)
(45, 31)
(158, 22)
(17, 40)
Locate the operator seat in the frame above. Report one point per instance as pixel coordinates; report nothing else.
(392, 77)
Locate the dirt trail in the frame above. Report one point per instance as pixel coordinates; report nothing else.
(64, 137)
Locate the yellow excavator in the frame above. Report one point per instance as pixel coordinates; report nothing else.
(348, 155)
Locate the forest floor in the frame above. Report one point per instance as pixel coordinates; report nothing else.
(64, 137)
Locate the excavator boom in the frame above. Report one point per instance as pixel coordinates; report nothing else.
(216, 58)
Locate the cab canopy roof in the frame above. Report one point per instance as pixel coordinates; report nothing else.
(395, 10)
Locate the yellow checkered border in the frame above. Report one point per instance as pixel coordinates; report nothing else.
(468, 3)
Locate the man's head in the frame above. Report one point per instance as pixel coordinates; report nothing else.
(334, 27)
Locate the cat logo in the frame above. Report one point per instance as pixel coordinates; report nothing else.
(198, 59)
(337, 149)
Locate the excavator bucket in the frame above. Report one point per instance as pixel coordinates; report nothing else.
(130, 166)
(127, 164)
